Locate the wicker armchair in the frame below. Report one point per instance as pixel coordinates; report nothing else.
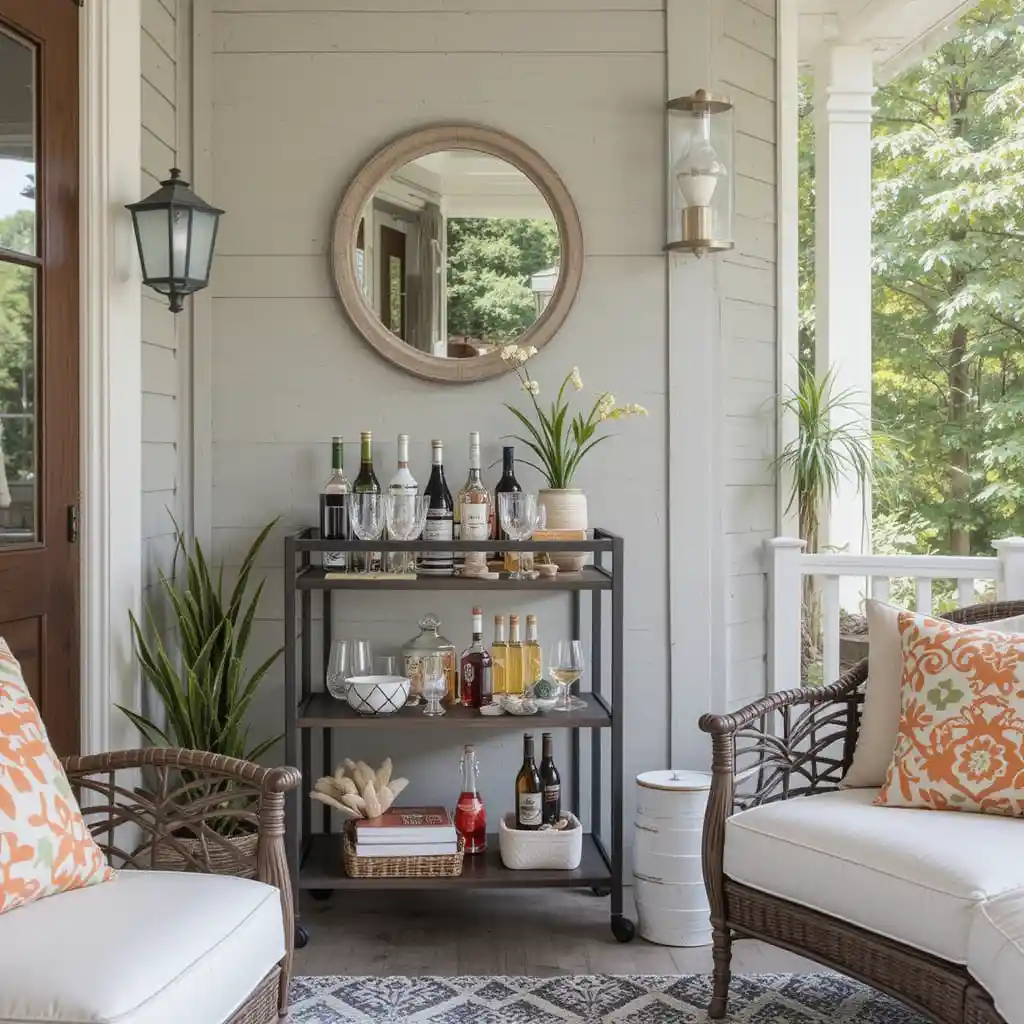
(153, 808)
(799, 743)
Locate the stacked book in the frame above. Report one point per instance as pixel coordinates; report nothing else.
(407, 832)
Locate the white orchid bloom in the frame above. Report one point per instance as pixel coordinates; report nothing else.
(508, 352)
(532, 387)
(577, 380)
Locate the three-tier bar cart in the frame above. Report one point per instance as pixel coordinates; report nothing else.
(315, 859)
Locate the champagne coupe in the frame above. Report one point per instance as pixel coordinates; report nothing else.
(406, 515)
(347, 658)
(366, 514)
(566, 665)
(519, 515)
(434, 682)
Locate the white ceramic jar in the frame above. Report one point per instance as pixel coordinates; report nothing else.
(671, 903)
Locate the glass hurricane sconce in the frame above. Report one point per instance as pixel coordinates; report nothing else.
(175, 231)
(700, 148)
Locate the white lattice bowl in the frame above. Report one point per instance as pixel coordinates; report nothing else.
(377, 695)
(549, 850)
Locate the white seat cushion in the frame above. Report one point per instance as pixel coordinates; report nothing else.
(150, 947)
(913, 875)
(995, 953)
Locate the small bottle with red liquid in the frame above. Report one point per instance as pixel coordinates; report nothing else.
(470, 816)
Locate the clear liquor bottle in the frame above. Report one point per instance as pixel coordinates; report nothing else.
(473, 507)
(475, 681)
(334, 508)
(366, 483)
(470, 813)
(499, 655)
(403, 483)
(533, 662)
(440, 518)
(515, 682)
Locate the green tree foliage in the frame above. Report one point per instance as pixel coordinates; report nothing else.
(949, 284)
(490, 263)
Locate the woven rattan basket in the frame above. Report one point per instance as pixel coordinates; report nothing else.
(446, 866)
(241, 861)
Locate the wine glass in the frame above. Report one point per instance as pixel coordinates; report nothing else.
(566, 665)
(406, 515)
(519, 516)
(434, 682)
(366, 514)
(347, 658)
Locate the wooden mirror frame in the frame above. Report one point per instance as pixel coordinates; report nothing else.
(397, 154)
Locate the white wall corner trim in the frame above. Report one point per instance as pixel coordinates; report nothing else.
(111, 366)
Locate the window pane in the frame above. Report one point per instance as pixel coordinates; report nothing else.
(17, 145)
(18, 466)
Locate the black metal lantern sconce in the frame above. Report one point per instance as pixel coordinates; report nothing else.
(175, 231)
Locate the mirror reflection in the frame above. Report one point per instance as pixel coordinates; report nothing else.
(457, 253)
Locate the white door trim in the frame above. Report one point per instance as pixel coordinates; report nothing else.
(111, 357)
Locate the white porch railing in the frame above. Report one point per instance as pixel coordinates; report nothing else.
(788, 566)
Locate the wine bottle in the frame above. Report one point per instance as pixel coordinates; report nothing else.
(470, 813)
(475, 681)
(403, 485)
(499, 655)
(533, 667)
(529, 790)
(366, 483)
(473, 508)
(334, 508)
(514, 681)
(439, 522)
(506, 485)
(551, 782)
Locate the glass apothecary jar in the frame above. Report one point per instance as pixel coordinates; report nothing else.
(430, 641)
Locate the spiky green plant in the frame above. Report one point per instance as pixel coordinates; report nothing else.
(831, 445)
(205, 691)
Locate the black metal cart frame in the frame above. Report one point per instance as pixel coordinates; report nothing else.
(314, 859)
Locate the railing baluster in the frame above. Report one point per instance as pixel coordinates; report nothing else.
(830, 627)
(964, 593)
(923, 591)
(880, 588)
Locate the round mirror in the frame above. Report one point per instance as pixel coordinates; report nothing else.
(451, 243)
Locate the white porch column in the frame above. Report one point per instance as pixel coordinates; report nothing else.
(843, 111)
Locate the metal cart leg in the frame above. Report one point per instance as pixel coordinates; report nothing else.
(622, 927)
(293, 838)
(574, 801)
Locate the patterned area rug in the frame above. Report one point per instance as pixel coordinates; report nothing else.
(634, 999)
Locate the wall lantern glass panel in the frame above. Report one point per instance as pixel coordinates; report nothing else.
(700, 172)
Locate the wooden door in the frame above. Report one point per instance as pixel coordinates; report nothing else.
(39, 354)
(392, 280)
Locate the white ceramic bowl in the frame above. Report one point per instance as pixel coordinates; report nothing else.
(377, 695)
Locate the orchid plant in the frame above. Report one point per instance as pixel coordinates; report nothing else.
(558, 440)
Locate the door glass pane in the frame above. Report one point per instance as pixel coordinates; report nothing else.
(17, 144)
(18, 465)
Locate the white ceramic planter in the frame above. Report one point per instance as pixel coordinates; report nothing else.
(672, 904)
(565, 510)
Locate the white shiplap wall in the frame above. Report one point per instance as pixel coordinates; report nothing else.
(301, 94)
(162, 335)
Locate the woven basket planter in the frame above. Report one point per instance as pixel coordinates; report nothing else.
(241, 863)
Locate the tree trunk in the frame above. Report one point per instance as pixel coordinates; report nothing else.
(959, 462)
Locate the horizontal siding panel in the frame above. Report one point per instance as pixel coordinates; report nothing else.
(746, 641)
(748, 283)
(769, 7)
(748, 322)
(756, 238)
(158, 115)
(747, 681)
(755, 199)
(159, 326)
(750, 26)
(467, 32)
(746, 68)
(254, 277)
(744, 552)
(748, 508)
(750, 437)
(751, 360)
(158, 68)
(157, 558)
(159, 418)
(157, 509)
(747, 599)
(755, 115)
(438, 6)
(157, 157)
(159, 467)
(755, 158)
(159, 370)
(160, 24)
(743, 472)
(171, 7)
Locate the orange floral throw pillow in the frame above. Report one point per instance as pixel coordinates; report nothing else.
(45, 846)
(960, 745)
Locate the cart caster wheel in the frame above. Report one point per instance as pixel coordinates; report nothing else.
(601, 891)
(623, 929)
(301, 936)
(321, 895)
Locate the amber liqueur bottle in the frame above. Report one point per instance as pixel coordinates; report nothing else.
(475, 684)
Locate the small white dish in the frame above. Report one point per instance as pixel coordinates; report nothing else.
(518, 705)
(492, 709)
(377, 695)
(547, 570)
